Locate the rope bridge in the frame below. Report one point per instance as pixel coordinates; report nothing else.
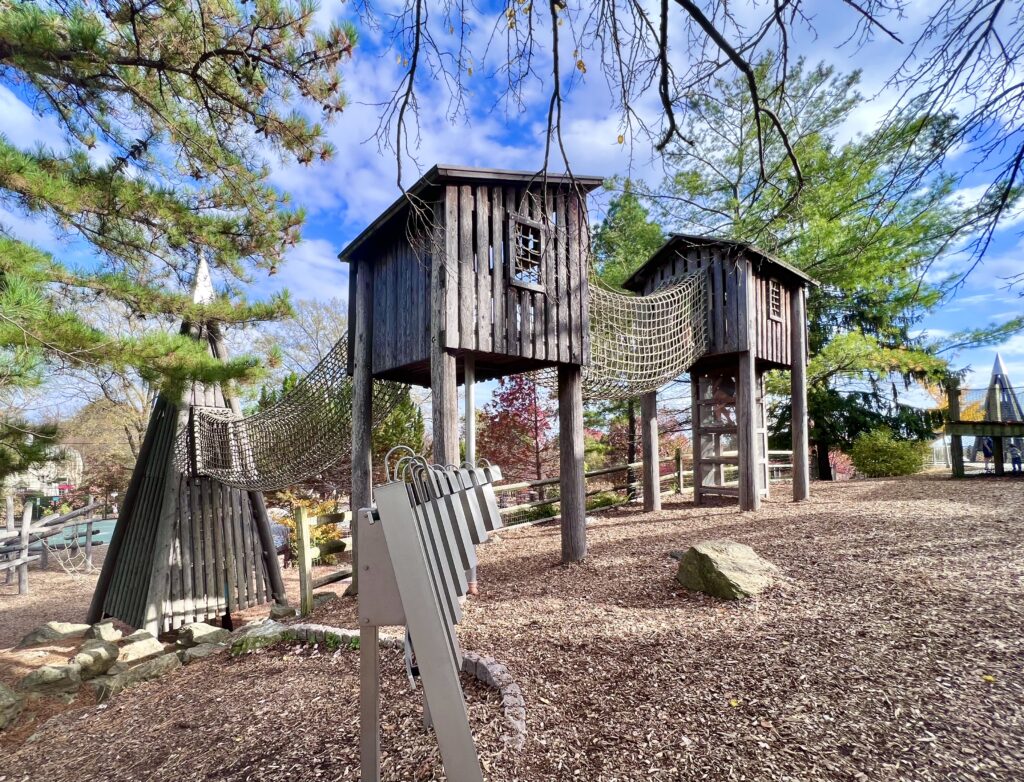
(304, 433)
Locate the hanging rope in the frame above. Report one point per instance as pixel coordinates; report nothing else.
(639, 343)
(308, 431)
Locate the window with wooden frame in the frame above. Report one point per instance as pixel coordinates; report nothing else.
(527, 240)
(774, 299)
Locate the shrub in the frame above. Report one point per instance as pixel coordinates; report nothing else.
(878, 454)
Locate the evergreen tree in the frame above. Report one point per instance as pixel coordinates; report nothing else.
(169, 111)
(871, 254)
(625, 239)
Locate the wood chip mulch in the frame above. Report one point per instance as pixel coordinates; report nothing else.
(893, 650)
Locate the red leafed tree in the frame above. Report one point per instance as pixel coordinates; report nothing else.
(516, 429)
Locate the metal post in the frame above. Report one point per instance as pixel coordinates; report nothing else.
(369, 704)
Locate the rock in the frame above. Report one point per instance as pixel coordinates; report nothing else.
(201, 633)
(50, 679)
(110, 685)
(95, 658)
(278, 611)
(104, 631)
(141, 649)
(676, 554)
(53, 631)
(11, 703)
(256, 636)
(200, 651)
(139, 635)
(725, 569)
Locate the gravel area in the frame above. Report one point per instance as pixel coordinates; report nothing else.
(893, 650)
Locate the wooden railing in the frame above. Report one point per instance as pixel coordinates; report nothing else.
(16, 544)
(678, 476)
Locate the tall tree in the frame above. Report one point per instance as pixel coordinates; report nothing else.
(516, 429)
(871, 254)
(625, 238)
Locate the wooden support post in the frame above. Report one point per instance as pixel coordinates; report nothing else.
(304, 560)
(26, 528)
(630, 449)
(444, 407)
(571, 479)
(362, 406)
(746, 432)
(652, 473)
(679, 470)
(998, 454)
(698, 472)
(953, 415)
(469, 415)
(798, 394)
(369, 703)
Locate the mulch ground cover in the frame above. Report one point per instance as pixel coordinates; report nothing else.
(893, 649)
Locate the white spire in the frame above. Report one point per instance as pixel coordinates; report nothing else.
(999, 368)
(202, 285)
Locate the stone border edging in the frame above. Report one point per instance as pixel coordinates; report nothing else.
(485, 670)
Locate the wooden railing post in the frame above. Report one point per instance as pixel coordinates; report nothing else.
(953, 416)
(88, 536)
(679, 470)
(305, 562)
(26, 528)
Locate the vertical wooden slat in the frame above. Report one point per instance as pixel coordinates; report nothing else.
(467, 282)
(562, 277)
(584, 266)
(575, 293)
(511, 292)
(717, 269)
(241, 505)
(550, 300)
(483, 268)
(185, 537)
(732, 324)
(498, 270)
(525, 327)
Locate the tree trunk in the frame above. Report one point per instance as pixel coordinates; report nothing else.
(824, 465)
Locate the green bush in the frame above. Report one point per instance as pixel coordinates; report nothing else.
(878, 454)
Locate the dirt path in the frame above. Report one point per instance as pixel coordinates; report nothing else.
(894, 650)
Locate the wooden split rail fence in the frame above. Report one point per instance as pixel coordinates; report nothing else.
(17, 544)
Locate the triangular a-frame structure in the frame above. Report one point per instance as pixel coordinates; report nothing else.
(186, 548)
(1002, 402)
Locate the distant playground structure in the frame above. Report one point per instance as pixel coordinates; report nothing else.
(995, 411)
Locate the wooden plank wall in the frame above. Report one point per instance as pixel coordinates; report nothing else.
(217, 561)
(485, 311)
(401, 312)
(773, 335)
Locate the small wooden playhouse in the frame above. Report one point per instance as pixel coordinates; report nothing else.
(478, 274)
(757, 322)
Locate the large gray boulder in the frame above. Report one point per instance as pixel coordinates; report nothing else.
(53, 631)
(141, 649)
(279, 611)
(11, 703)
(201, 633)
(257, 635)
(95, 657)
(52, 679)
(109, 685)
(104, 631)
(725, 569)
(194, 653)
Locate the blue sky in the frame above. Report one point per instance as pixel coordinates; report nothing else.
(342, 196)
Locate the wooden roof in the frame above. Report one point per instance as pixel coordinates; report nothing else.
(677, 242)
(442, 174)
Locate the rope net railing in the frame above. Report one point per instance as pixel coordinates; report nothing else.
(306, 432)
(996, 402)
(639, 343)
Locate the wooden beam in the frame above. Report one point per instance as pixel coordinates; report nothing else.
(362, 404)
(573, 484)
(798, 394)
(649, 429)
(956, 449)
(305, 561)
